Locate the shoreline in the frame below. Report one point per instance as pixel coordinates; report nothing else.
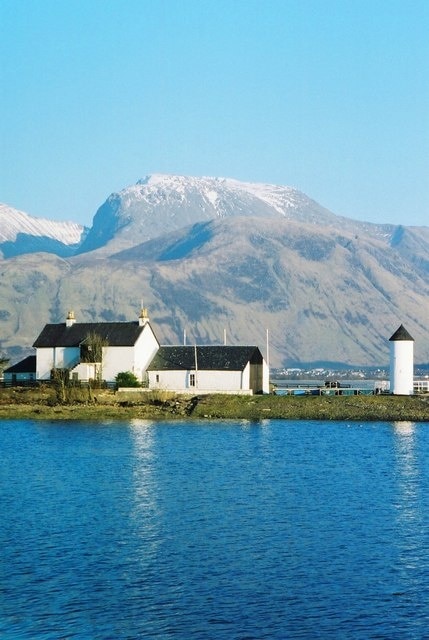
(102, 405)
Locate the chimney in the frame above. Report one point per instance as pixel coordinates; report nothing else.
(70, 320)
(143, 317)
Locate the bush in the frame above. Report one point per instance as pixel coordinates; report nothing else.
(126, 379)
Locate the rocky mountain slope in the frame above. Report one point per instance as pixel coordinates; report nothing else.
(214, 257)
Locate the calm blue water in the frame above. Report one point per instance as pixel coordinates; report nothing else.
(214, 531)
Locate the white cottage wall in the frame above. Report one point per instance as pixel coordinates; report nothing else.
(135, 358)
(265, 378)
(116, 360)
(44, 363)
(48, 358)
(220, 380)
(167, 380)
(246, 377)
(207, 381)
(145, 349)
(85, 371)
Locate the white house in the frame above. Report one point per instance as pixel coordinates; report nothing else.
(209, 369)
(124, 346)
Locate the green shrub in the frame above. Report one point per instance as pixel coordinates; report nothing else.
(126, 379)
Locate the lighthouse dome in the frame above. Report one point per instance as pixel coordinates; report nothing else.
(401, 334)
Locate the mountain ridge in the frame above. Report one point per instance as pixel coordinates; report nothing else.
(21, 233)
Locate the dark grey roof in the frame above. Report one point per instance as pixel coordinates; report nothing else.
(401, 334)
(28, 365)
(116, 334)
(208, 358)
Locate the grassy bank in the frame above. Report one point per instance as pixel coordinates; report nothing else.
(390, 408)
(97, 405)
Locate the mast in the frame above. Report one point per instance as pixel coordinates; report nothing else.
(196, 366)
(268, 350)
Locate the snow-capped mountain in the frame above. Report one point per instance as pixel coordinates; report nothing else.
(215, 254)
(22, 233)
(161, 203)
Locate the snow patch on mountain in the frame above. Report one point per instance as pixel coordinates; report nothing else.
(160, 188)
(160, 203)
(187, 198)
(278, 197)
(14, 222)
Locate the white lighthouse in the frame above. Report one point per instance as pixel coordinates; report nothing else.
(401, 362)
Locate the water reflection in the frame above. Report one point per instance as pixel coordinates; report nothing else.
(404, 428)
(409, 515)
(145, 509)
(406, 462)
(277, 529)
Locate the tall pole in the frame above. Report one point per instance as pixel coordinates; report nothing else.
(184, 337)
(224, 337)
(267, 388)
(268, 350)
(196, 366)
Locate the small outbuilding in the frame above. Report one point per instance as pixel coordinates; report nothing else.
(209, 369)
(23, 371)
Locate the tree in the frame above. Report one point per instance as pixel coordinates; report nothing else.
(126, 379)
(61, 381)
(3, 362)
(92, 351)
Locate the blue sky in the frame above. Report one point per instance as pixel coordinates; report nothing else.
(329, 96)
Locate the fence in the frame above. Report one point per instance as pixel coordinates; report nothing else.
(84, 384)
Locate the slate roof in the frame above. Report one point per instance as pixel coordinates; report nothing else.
(116, 334)
(28, 365)
(401, 334)
(211, 358)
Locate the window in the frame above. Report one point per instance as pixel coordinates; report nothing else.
(192, 379)
(157, 377)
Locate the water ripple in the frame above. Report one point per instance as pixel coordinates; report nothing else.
(214, 531)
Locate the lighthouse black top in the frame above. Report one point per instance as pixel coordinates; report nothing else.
(401, 334)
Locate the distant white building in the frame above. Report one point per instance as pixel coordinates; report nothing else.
(401, 362)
